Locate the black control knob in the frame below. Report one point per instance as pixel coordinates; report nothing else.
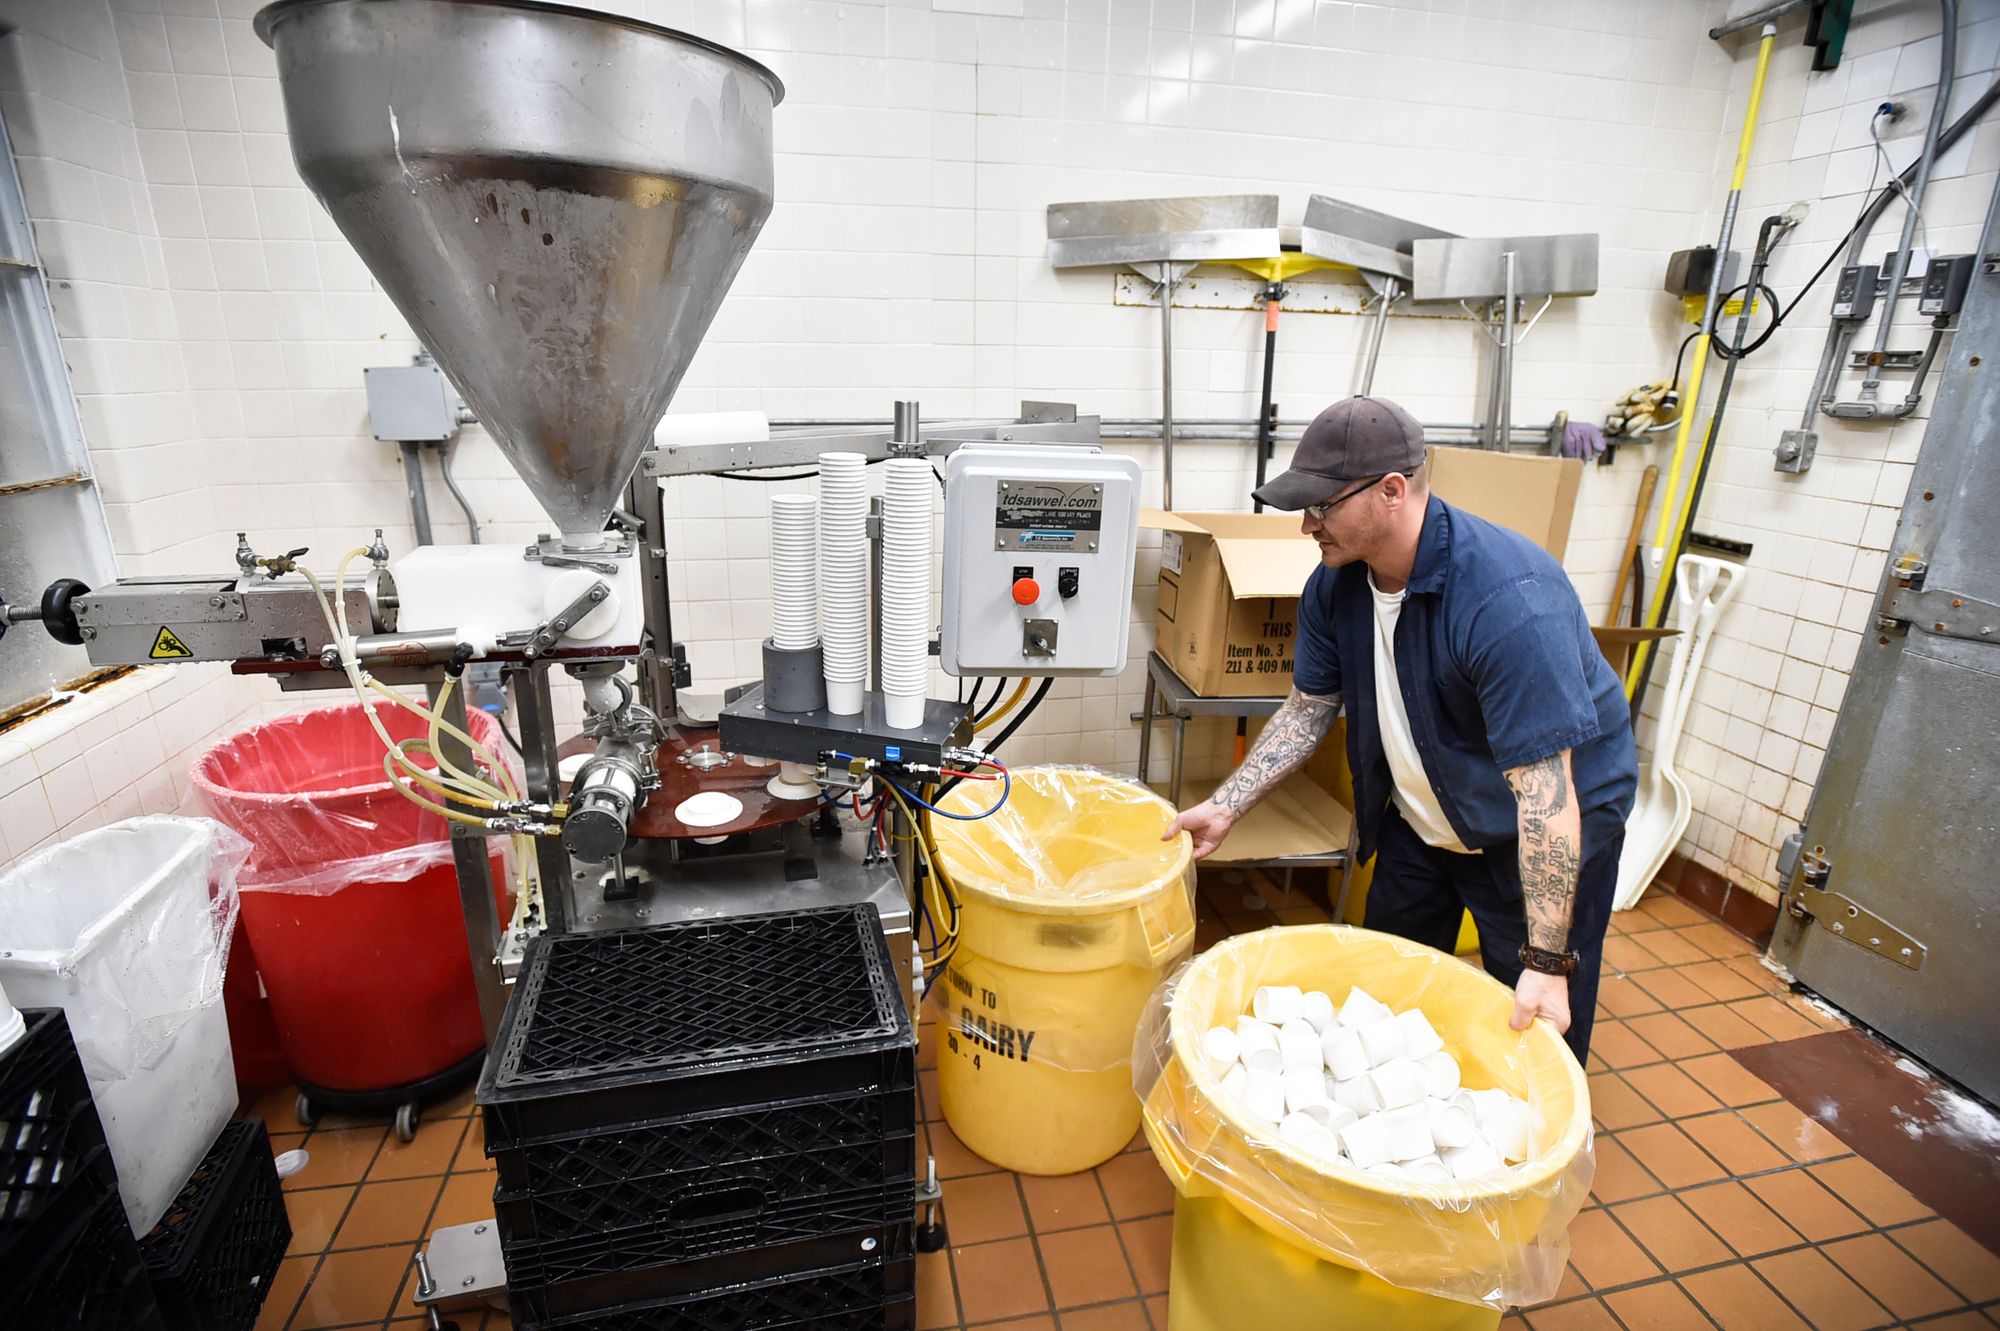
(1066, 581)
(59, 610)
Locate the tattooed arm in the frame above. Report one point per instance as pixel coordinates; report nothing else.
(1294, 731)
(1551, 830)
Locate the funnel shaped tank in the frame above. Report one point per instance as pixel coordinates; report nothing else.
(556, 200)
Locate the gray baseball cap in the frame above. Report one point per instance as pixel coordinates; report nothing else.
(1355, 438)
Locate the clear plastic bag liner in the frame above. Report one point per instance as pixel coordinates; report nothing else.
(1066, 838)
(309, 793)
(128, 927)
(1497, 1241)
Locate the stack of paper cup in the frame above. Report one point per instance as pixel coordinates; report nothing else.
(906, 591)
(794, 575)
(843, 579)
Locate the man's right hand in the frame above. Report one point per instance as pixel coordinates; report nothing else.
(1207, 823)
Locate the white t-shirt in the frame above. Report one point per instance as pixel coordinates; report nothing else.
(1412, 785)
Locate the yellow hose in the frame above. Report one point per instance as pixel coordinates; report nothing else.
(999, 714)
(1676, 509)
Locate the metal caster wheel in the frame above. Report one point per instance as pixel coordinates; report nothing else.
(307, 1115)
(407, 1118)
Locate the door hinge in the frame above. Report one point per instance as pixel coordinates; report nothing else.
(1807, 898)
(1907, 603)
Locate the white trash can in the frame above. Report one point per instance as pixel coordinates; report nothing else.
(117, 928)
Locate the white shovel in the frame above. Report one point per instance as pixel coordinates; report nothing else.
(1660, 813)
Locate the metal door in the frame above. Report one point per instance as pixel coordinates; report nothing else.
(1893, 913)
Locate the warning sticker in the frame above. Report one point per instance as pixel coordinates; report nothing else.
(166, 647)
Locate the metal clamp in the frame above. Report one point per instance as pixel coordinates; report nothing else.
(550, 550)
(534, 642)
(1808, 898)
(1940, 611)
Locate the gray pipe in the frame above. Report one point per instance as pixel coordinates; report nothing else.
(1840, 331)
(1947, 67)
(451, 484)
(1167, 286)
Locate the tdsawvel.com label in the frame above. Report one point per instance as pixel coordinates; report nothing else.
(1047, 515)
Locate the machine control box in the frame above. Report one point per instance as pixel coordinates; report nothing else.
(1039, 542)
(1854, 291)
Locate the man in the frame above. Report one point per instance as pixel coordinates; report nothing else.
(1490, 742)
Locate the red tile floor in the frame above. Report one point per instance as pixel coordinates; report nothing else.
(1717, 1204)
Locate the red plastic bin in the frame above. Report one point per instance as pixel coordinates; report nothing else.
(350, 900)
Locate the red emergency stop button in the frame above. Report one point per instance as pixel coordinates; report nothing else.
(1027, 591)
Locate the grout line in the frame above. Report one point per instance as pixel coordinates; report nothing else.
(1035, 1245)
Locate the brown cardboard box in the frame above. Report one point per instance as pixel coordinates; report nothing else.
(1229, 598)
(1230, 582)
(1535, 496)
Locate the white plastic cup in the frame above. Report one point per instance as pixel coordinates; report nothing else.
(1305, 1133)
(1367, 1141)
(1358, 1094)
(1278, 1004)
(1303, 1089)
(1441, 1075)
(1362, 1008)
(1505, 1126)
(1233, 1082)
(1298, 1045)
(1382, 1040)
(904, 711)
(1430, 1169)
(1475, 1160)
(1317, 1008)
(843, 696)
(1219, 1047)
(1332, 1116)
(1409, 1132)
(1452, 1125)
(1264, 1096)
(1398, 1082)
(1419, 1037)
(1257, 1045)
(1389, 1169)
(1341, 1048)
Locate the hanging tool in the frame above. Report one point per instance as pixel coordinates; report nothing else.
(1629, 568)
(1768, 236)
(1674, 517)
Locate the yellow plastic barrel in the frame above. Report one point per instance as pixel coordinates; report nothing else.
(1071, 911)
(1267, 1235)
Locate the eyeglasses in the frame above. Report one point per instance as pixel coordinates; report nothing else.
(1318, 512)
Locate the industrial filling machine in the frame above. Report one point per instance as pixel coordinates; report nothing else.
(557, 202)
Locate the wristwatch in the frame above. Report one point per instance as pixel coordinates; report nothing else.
(1547, 962)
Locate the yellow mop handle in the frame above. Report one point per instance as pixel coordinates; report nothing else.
(1674, 515)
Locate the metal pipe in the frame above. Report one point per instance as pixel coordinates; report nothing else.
(1824, 390)
(451, 484)
(1765, 15)
(1392, 291)
(1169, 280)
(906, 423)
(413, 481)
(1947, 65)
(475, 879)
(875, 594)
(535, 710)
(1508, 314)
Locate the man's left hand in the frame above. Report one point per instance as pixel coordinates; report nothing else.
(1540, 995)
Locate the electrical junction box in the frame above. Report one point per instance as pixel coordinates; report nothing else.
(1039, 543)
(410, 403)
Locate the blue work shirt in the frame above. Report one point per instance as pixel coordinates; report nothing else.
(1497, 667)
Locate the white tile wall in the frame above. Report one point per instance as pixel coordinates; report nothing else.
(218, 323)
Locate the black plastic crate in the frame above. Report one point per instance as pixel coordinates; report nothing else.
(78, 1270)
(608, 1275)
(569, 1187)
(50, 1136)
(214, 1253)
(635, 1025)
(875, 1297)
